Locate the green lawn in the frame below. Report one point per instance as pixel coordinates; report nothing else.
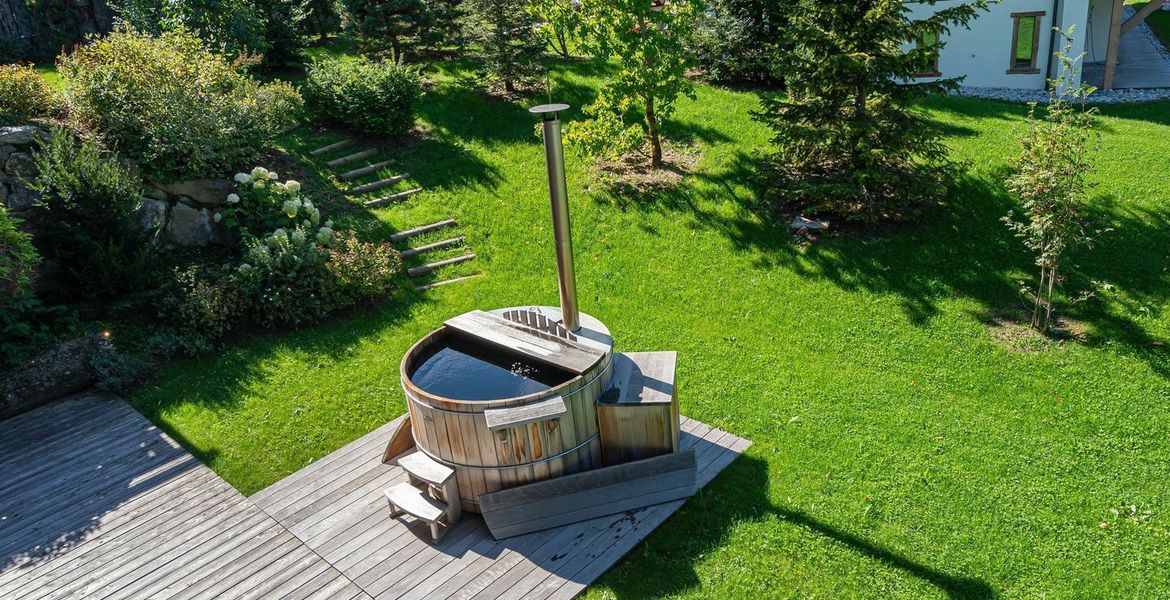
(899, 449)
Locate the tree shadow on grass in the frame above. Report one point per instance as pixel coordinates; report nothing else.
(740, 494)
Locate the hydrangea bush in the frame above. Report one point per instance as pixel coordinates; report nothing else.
(262, 203)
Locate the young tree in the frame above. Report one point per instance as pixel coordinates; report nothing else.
(849, 138)
(560, 22)
(647, 41)
(394, 25)
(1050, 179)
(507, 32)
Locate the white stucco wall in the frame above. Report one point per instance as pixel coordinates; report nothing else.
(1098, 34)
(983, 52)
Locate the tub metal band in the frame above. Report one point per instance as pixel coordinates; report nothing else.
(496, 467)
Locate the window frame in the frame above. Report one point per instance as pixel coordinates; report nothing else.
(1013, 67)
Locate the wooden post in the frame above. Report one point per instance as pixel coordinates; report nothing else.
(1114, 39)
(1140, 16)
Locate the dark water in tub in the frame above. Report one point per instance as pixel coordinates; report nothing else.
(464, 370)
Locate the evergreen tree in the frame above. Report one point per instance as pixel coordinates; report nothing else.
(511, 46)
(850, 139)
(736, 39)
(397, 26)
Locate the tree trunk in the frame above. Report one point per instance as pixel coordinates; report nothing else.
(509, 85)
(652, 133)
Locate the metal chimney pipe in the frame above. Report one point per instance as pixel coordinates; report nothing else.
(554, 157)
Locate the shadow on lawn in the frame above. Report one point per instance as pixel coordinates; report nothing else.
(739, 494)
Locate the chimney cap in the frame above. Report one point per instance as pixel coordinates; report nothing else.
(548, 108)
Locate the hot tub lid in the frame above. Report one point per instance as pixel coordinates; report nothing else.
(554, 351)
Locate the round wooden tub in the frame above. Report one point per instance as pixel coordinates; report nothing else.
(460, 434)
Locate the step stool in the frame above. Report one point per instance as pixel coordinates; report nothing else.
(431, 494)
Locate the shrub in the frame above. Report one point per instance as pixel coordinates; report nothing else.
(19, 332)
(261, 203)
(735, 40)
(371, 97)
(362, 270)
(285, 278)
(178, 109)
(205, 303)
(236, 26)
(90, 233)
(23, 93)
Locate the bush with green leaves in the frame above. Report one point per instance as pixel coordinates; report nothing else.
(89, 233)
(24, 93)
(178, 109)
(262, 203)
(362, 271)
(377, 98)
(19, 332)
(285, 278)
(237, 27)
(205, 302)
(735, 40)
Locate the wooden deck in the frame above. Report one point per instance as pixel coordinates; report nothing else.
(1139, 64)
(336, 507)
(97, 503)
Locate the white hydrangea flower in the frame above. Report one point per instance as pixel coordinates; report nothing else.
(245, 268)
(233, 198)
(273, 176)
(217, 217)
(324, 236)
(329, 223)
(278, 187)
(243, 178)
(314, 216)
(298, 236)
(293, 186)
(290, 208)
(259, 173)
(259, 183)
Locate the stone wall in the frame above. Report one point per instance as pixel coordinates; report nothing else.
(182, 213)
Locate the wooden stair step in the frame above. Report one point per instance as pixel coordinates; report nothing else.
(427, 268)
(416, 502)
(377, 185)
(351, 158)
(342, 145)
(409, 233)
(363, 171)
(426, 468)
(455, 241)
(392, 198)
(431, 286)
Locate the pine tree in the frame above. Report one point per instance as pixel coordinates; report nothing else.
(850, 139)
(511, 46)
(395, 25)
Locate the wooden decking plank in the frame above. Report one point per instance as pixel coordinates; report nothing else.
(307, 511)
(82, 475)
(56, 431)
(261, 581)
(212, 556)
(171, 565)
(330, 589)
(54, 517)
(272, 494)
(327, 516)
(332, 479)
(361, 562)
(412, 556)
(127, 519)
(322, 579)
(715, 457)
(117, 556)
(471, 569)
(570, 585)
(433, 560)
(528, 571)
(301, 575)
(231, 572)
(280, 547)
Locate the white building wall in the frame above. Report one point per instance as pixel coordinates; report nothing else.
(983, 53)
(1098, 30)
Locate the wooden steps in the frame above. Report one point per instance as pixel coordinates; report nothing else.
(431, 286)
(363, 171)
(351, 158)
(377, 185)
(342, 145)
(430, 494)
(449, 243)
(392, 198)
(409, 233)
(427, 268)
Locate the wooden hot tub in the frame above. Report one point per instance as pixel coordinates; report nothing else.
(492, 442)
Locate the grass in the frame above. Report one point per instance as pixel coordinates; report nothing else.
(899, 449)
